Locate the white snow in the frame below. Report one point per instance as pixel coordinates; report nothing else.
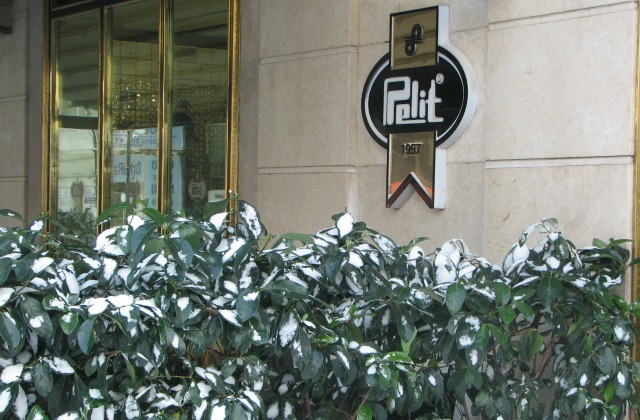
(135, 221)
(233, 248)
(344, 225)
(36, 322)
(343, 359)
(250, 297)
(59, 365)
(385, 244)
(583, 379)
(21, 405)
(183, 303)
(367, 350)
(96, 305)
(621, 333)
(473, 356)
(120, 301)
(465, 340)
(230, 316)
(11, 374)
(385, 317)
(621, 378)
(217, 219)
(250, 216)
(5, 398)
(288, 330)
(273, 411)
(37, 226)
(5, 295)
(553, 262)
(41, 263)
(473, 321)
(131, 409)
(432, 380)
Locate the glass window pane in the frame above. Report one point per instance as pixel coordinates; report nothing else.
(134, 83)
(199, 103)
(75, 117)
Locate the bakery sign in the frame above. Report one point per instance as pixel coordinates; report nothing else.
(417, 101)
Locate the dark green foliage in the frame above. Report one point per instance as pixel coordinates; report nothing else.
(171, 317)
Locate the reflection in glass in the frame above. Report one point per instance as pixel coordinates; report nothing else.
(75, 117)
(134, 81)
(199, 103)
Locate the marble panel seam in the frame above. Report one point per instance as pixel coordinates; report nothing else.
(558, 162)
(560, 16)
(306, 170)
(16, 98)
(309, 54)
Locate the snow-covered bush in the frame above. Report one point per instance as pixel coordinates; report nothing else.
(168, 316)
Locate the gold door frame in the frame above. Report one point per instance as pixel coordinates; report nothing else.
(48, 196)
(635, 291)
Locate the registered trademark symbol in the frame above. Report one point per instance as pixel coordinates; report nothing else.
(439, 78)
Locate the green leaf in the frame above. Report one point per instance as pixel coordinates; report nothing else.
(397, 357)
(503, 293)
(305, 239)
(482, 337)
(42, 379)
(86, 338)
(68, 322)
(530, 343)
(504, 406)
(181, 250)
(549, 289)
(141, 236)
(5, 268)
(455, 297)
(406, 345)
(10, 213)
(106, 215)
(609, 392)
(365, 413)
(481, 398)
(499, 335)
(154, 215)
(526, 233)
(247, 303)
(37, 413)
(36, 317)
(215, 207)
(404, 323)
(525, 310)
(10, 332)
(507, 314)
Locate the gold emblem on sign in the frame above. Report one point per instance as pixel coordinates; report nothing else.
(415, 39)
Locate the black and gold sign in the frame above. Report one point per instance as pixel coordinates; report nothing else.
(418, 99)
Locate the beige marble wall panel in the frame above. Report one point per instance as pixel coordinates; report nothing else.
(470, 146)
(249, 29)
(368, 152)
(588, 201)
(503, 10)
(295, 26)
(13, 59)
(301, 202)
(562, 88)
(374, 16)
(462, 217)
(12, 196)
(13, 133)
(248, 131)
(308, 110)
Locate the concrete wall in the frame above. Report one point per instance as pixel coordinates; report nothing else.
(553, 134)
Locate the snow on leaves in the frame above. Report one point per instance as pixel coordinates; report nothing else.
(207, 317)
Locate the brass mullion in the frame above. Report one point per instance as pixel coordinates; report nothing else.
(165, 63)
(104, 117)
(232, 101)
(45, 197)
